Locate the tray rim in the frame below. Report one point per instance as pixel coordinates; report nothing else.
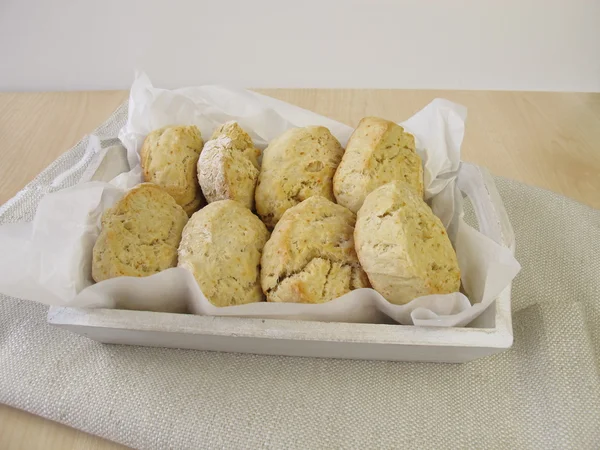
(499, 336)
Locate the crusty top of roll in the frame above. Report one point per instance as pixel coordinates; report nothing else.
(169, 157)
(140, 234)
(228, 166)
(295, 166)
(378, 152)
(403, 247)
(310, 257)
(222, 245)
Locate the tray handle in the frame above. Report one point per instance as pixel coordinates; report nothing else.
(477, 183)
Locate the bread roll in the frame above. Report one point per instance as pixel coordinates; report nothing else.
(310, 257)
(378, 152)
(297, 165)
(140, 234)
(221, 246)
(228, 166)
(169, 157)
(403, 247)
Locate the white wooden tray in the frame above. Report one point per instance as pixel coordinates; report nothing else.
(489, 333)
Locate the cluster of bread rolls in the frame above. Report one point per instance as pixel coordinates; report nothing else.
(339, 219)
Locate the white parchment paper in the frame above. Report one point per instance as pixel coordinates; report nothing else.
(49, 260)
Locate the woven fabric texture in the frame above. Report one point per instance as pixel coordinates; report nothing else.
(543, 393)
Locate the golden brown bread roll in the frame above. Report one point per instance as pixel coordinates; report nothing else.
(378, 152)
(169, 157)
(222, 246)
(228, 166)
(403, 247)
(310, 257)
(297, 165)
(140, 234)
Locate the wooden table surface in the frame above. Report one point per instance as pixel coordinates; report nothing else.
(550, 140)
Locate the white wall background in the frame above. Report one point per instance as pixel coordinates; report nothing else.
(458, 44)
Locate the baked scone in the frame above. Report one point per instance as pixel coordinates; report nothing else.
(140, 234)
(378, 152)
(228, 166)
(295, 166)
(221, 246)
(310, 257)
(169, 158)
(403, 247)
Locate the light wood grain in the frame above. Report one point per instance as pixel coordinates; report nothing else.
(36, 128)
(550, 140)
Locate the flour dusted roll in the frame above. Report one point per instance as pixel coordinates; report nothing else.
(403, 247)
(297, 165)
(169, 157)
(310, 257)
(221, 246)
(378, 152)
(228, 166)
(140, 234)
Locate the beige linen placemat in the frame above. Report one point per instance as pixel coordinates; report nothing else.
(543, 393)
